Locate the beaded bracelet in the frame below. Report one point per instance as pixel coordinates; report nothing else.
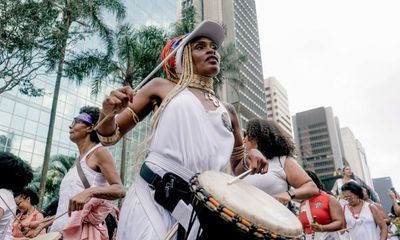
(135, 117)
(244, 162)
(110, 140)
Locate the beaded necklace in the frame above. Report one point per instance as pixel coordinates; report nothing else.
(205, 84)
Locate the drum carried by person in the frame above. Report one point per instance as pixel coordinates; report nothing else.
(238, 211)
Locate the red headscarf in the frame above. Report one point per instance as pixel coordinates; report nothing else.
(170, 65)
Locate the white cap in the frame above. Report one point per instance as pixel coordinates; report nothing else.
(206, 28)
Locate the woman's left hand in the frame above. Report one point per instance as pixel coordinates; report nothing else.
(283, 197)
(76, 203)
(257, 162)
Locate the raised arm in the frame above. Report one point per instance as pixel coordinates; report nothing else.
(124, 108)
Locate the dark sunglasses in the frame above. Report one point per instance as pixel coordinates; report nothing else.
(77, 120)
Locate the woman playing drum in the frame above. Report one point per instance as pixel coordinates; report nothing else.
(285, 179)
(192, 131)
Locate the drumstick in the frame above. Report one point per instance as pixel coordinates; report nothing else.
(313, 233)
(172, 232)
(241, 176)
(146, 79)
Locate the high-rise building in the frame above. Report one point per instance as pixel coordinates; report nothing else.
(277, 104)
(318, 140)
(24, 120)
(382, 186)
(355, 155)
(240, 21)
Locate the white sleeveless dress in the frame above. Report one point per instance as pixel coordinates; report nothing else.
(187, 136)
(71, 185)
(364, 227)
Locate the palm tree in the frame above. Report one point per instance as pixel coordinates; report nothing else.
(137, 53)
(78, 20)
(58, 167)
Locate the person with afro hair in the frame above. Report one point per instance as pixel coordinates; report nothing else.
(285, 179)
(15, 174)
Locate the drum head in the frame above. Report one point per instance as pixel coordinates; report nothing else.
(251, 203)
(49, 236)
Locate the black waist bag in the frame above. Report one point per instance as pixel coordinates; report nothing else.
(170, 190)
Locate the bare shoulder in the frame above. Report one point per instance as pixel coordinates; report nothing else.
(102, 153)
(230, 108)
(157, 87)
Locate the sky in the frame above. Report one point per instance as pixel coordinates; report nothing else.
(342, 54)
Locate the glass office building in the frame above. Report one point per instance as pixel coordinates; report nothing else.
(24, 120)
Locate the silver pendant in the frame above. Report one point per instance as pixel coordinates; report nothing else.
(212, 98)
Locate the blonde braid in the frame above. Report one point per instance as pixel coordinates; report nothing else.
(185, 79)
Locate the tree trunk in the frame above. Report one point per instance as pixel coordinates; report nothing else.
(53, 112)
(123, 163)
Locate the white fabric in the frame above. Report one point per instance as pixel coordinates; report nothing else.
(9, 208)
(274, 181)
(187, 135)
(71, 185)
(364, 227)
(337, 187)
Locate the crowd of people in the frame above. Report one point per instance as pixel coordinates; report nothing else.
(192, 131)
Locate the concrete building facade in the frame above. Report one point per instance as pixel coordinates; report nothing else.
(382, 187)
(318, 140)
(354, 154)
(240, 21)
(277, 104)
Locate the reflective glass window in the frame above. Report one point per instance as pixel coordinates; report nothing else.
(5, 119)
(31, 127)
(27, 144)
(47, 101)
(33, 114)
(17, 123)
(42, 130)
(44, 117)
(39, 147)
(7, 105)
(37, 160)
(26, 156)
(20, 109)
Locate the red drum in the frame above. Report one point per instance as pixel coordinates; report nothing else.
(240, 210)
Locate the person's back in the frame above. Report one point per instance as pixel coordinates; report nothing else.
(8, 207)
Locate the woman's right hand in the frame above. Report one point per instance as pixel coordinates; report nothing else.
(118, 100)
(32, 229)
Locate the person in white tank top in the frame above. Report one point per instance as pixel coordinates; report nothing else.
(98, 166)
(192, 130)
(363, 220)
(278, 148)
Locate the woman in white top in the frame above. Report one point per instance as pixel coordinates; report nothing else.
(98, 166)
(363, 220)
(192, 131)
(15, 174)
(346, 177)
(285, 179)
